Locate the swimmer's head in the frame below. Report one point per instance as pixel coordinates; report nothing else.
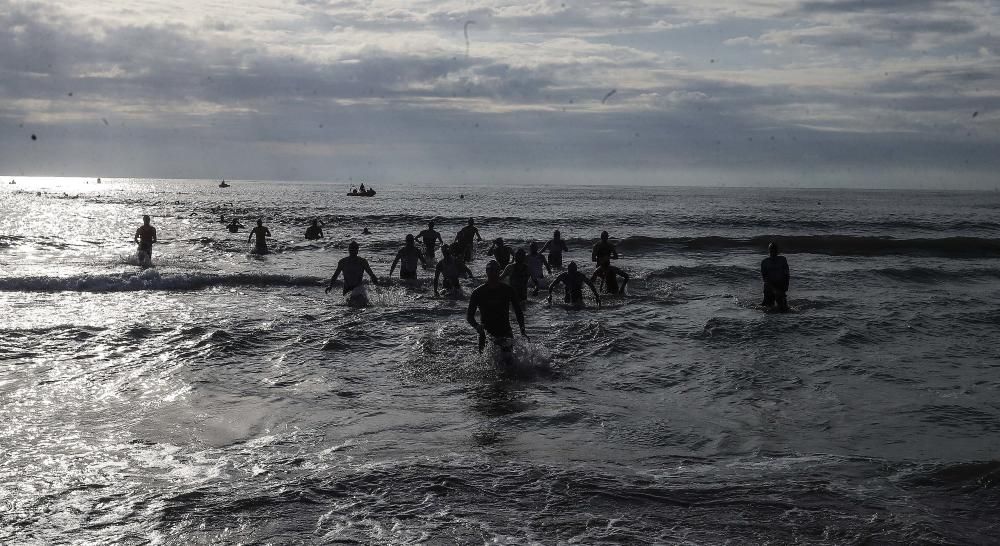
(260, 222)
(315, 222)
(534, 248)
(773, 249)
(409, 239)
(472, 222)
(492, 270)
(571, 267)
(519, 255)
(604, 235)
(352, 248)
(145, 219)
(556, 234)
(430, 225)
(498, 241)
(445, 251)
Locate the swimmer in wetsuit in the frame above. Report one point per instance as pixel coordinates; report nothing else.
(314, 231)
(556, 247)
(234, 226)
(603, 249)
(145, 236)
(501, 252)
(609, 274)
(774, 273)
(430, 239)
(574, 281)
(519, 274)
(494, 299)
(408, 255)
(261, 233)
(465, 240)
(535, 262)
(450, 269)
(354, 269)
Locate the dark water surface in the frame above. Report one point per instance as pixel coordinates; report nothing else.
(219, 397)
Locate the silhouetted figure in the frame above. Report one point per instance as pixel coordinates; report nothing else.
(574, 281)
(535, 263)
(449, 268)
(365, 232)
(465, 239)
(261, 233)
(361, 189)
(145, 236)
(603, 249)
(519, 274)
(494, 299)
(430, 239)
(555, 247)
(609, 274)
(501, 252)
(314, 231)
(774, 273)
(354, 268)
(408, 255)
(234, 226)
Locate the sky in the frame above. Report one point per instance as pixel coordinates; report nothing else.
(828, 93)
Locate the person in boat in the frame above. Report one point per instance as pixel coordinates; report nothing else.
(314, 231)
(465, 239)
(494, 300)
(408, 255)
(362, 188)
(449, 268)
(261, 233)
(501, 252)
(430, 239)
(535, 262)
(354, 191)
(145, 236)
(574, 281)
(354, 268)
(610, 274)
(603, 249)
(774, 273)
(519, 274)
(556, 247)
(234, 225)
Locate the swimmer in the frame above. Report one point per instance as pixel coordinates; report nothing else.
(408, 255)
(556, 247)
(535, 262)
(450, 269)
(603, 249)
(234, 225)
(774, 273)
(145, 236)
(574, 281)
(261, 233)
(354, 269)
(519, 274)
(609, 274)
(465, 239)
(494, 299)
(314, 231)
(365, 232)
(430, 239)
(501, 252)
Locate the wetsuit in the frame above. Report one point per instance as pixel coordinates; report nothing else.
(353, 268)
(494, 303)
(408, 257)
(146, 235)
(536, 263)
(314, 232)
(450, 269)
(519, 274)
(602, 250)
(260, 246)
(574, 286)
(555, 247)
(465, 239)
(774, 273)
(503, 254)
(430, 238)
(609, 274)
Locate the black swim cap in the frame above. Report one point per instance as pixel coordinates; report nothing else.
(354, 245)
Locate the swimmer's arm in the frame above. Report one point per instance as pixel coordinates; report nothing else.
(593, 289)
(154, 240)
(545, 246)
(546, 262)
(250, 237)
(422, 260)
(519, 314)
(614, 252)
(333, 279)
(268, 233)
(554, 282)
(506, 271)
(468, 271)
(368, 269)
(785, 274)
(437, 274)
(478, 236)
(562, 243)
(624, 276)
(136, 238)
(394, 262)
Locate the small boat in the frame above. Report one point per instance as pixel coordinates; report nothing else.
(12, 182)
(223, 184)
(367, 193)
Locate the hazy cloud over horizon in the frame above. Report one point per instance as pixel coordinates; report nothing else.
(850, 92)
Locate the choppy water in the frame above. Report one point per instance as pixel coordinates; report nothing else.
(222, 397)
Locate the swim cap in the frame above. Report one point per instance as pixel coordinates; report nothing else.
(409, 237)
(492, 266)
(571, 266)
(353, 246)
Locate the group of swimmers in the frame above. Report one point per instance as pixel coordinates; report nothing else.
(494, 299)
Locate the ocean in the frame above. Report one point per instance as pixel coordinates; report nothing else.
(220, 397)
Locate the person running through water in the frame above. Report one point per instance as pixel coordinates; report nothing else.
(556, 247)
(535, 262)
(774, 273)
(314, 231)
(494, 300)
(465, 238)
(603, 249)
(430, 239)
(145, 236)
(261, 233)
(234, 225)
(450, 269)
(354, 268)
(519, 274)
(501, 252)
(574, 281)
(408, 255)
(609, 274)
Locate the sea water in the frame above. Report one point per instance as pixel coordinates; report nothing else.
(223, 397)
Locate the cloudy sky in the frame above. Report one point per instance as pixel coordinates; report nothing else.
(876, 93)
